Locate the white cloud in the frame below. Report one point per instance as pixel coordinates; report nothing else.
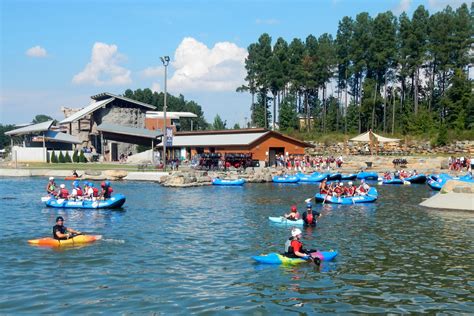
(441, 4)
(36, 51)
(267, 21)
(403, 6)
(155, 87)
(104, 68)
(198, 67)
(150, 72)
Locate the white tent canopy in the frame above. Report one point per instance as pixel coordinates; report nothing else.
(365, 138)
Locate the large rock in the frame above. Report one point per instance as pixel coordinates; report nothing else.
(458, 186)
(115, 174)
(93, 172)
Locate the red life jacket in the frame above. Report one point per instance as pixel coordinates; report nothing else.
(362, 189)
(338, 190)
(79, 192)
(309, 217)
(95, 192)
(63, 193)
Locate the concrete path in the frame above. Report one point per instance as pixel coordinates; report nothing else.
(451, 200)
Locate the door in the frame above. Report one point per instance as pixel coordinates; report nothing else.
(114, 152)
(272, 154)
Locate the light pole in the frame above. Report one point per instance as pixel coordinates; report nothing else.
(165, 60)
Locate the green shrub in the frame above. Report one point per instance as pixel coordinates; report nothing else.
(53, 158)
(82, 158)
(67, 158)
(75, 156)
(442, 138)
(61, 157)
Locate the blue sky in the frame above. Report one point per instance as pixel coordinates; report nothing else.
(59, 53)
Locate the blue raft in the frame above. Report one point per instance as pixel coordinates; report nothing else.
(364, 175)
(217, 181)
(348, 176)
(393, 181)
(334, 176)
(116, 201)
(314, 177)
(369, 198)
(286, 179)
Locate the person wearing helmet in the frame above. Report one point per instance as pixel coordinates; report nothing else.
(293, 215)
(63, 192)
(76, 192)
(92, 192)
(310, 216)
(294, 247)
(338, 190)
(107, 190)
(61, 232)
(51, 186)
(363, 188)
(350, 189)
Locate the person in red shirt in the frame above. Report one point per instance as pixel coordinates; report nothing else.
(338, 190)
(323, 187)
(63, 192)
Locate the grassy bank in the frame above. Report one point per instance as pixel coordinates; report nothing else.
(78, 166)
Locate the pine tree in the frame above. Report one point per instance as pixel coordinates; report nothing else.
(53, 158)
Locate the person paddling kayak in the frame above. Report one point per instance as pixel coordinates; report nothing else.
(310, 216)
(294, 247)
(294, 215)
(61, 232)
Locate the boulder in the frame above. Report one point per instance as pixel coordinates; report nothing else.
(458, 187)
(444, 164)
(115, 174)
(93, 172)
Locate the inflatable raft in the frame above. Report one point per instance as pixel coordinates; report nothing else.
(334, 176)
(284, 221)
(77, 240)
(116, 201)
(286, 179)
(314, 177)
(392, 181)
(369, 198)
(348, 176)
(217, 181)
(419, 178)
(367, 175)
(276, 258)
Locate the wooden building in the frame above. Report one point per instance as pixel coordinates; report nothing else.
(263, 144)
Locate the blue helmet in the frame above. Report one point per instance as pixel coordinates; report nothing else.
(309, 205)
(107, 183)
(91, 184)
(75, 183)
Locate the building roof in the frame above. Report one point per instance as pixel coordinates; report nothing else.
(107, 95)
(127, 130)
(87, 110)
(100, 100)
(240, 137)
(59, 137)
(30, 129)
(170, 115)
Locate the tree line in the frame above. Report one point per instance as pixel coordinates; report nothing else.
(391, 74)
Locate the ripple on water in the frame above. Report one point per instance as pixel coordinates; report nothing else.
(180, 251)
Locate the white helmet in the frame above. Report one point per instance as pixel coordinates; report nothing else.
(341, 184)
(51, 178)
(62, 186)
(295, 232)
(349, 183)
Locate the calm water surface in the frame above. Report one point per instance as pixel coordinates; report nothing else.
(188, 251)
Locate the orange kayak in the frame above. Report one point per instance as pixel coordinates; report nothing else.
(77, 240)
(71, 178)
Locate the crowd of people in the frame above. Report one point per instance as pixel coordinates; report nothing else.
(301, 162)
(459, 163)
(87, 192)
(338, 189)
(399, 174)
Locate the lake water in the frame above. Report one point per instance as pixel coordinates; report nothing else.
(181, 251)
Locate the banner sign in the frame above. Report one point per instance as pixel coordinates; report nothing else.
(169, 136)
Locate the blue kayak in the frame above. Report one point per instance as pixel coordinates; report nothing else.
(286, 179)
(217, 181)
(276, 258)
(314, 177)
(419, 178)
(367, 175)
(369, 198)
(351, 176)
(284, 221)
(116, 201)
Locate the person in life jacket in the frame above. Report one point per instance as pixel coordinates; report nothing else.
(61, 232)
(338, 190)
(350, 190)
(51, 186)
(310, 216)
(92, 191)
(323, 187)
(387, 176)
(63, 192)
(294, 215)
(363, 188)
(76, 192)
(107, 190)
(294, 248)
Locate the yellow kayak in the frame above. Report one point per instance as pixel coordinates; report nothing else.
(76, 240)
